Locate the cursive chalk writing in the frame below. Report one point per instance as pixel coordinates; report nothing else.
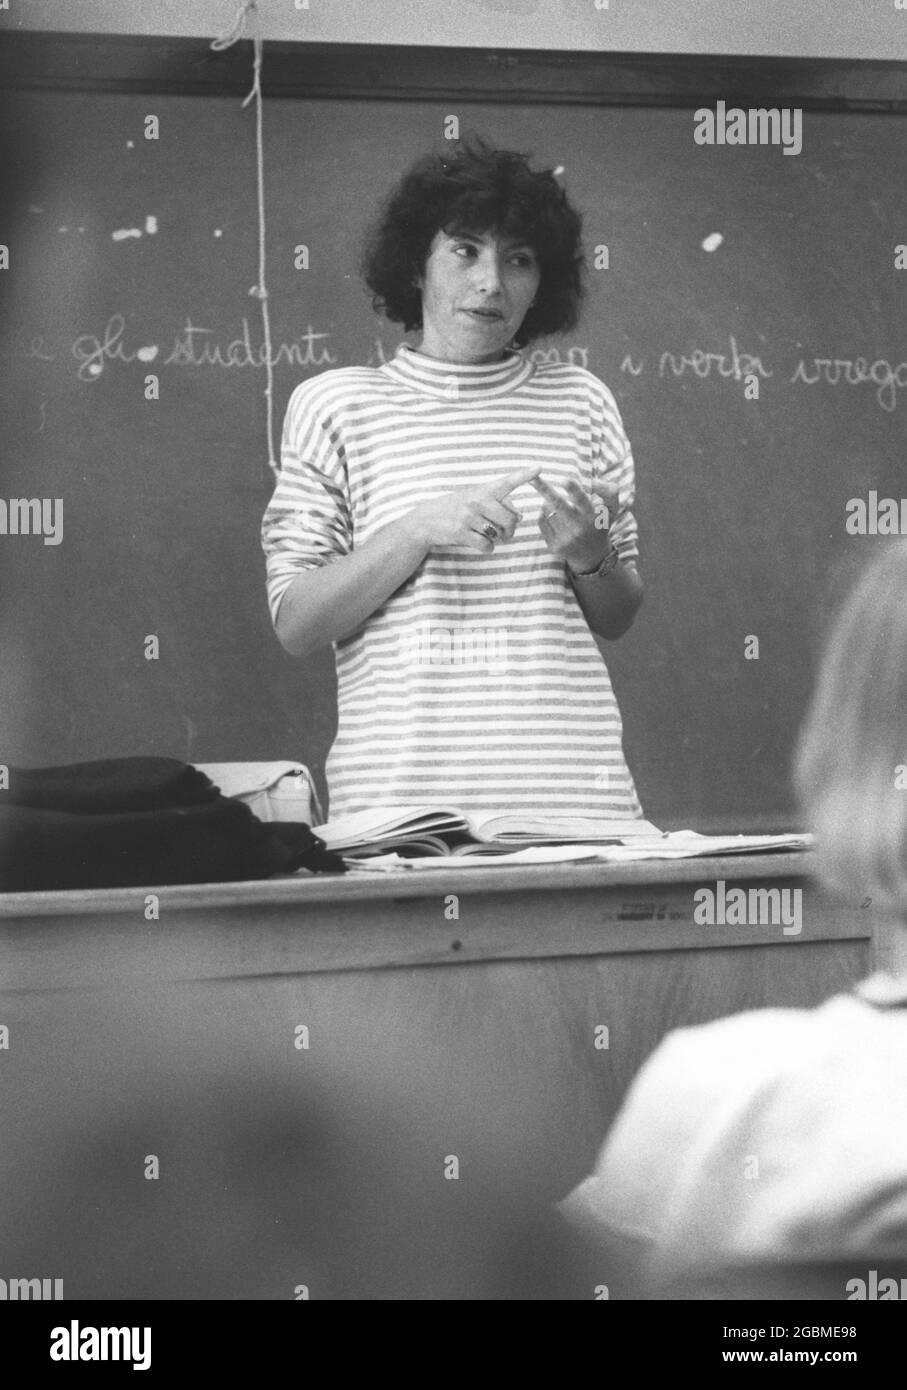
(91, 353)
(188, 351)
(855, 372)
(576, 356)
(193, 347)
(736, 364)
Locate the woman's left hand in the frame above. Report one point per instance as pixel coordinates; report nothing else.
(575, 526)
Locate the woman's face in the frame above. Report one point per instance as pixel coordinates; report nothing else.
(476, 290)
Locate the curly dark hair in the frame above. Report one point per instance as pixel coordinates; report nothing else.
(476, 188)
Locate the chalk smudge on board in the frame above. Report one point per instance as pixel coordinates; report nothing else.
(124, 233)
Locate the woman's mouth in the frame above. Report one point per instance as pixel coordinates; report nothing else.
(484, 315)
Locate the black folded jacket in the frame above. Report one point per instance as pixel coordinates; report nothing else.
(110, 785)
(110, 825)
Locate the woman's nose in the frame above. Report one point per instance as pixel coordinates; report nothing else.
(489, 274)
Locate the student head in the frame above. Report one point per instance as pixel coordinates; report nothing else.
(851, 763)
(476, 226)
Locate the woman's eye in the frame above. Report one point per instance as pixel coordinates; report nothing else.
(523, 259)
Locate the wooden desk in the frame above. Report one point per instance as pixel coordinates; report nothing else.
(543, 953)
(489, 1002)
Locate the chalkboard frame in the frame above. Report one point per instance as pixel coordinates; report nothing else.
(143, 63)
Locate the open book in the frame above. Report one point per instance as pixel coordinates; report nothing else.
(427, 830)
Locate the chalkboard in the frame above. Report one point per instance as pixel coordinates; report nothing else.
(726, 265)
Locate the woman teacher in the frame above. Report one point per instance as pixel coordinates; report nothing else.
(457, 521)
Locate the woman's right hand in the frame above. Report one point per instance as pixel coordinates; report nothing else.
(457, 517)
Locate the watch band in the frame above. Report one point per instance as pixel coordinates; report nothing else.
(608, 564)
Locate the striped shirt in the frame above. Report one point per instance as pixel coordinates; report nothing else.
(478, 684)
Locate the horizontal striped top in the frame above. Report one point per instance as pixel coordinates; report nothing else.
(478, 684)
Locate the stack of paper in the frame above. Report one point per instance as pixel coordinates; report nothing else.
(677, 844)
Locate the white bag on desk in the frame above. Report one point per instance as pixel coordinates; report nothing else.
(273, 791)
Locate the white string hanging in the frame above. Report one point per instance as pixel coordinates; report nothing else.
(259, 291)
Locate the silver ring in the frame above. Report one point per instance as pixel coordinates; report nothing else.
(490, 532)
(549, 515)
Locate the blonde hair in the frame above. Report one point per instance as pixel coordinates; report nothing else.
(850, 768)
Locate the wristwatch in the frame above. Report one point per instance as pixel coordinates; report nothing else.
(609, 563)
